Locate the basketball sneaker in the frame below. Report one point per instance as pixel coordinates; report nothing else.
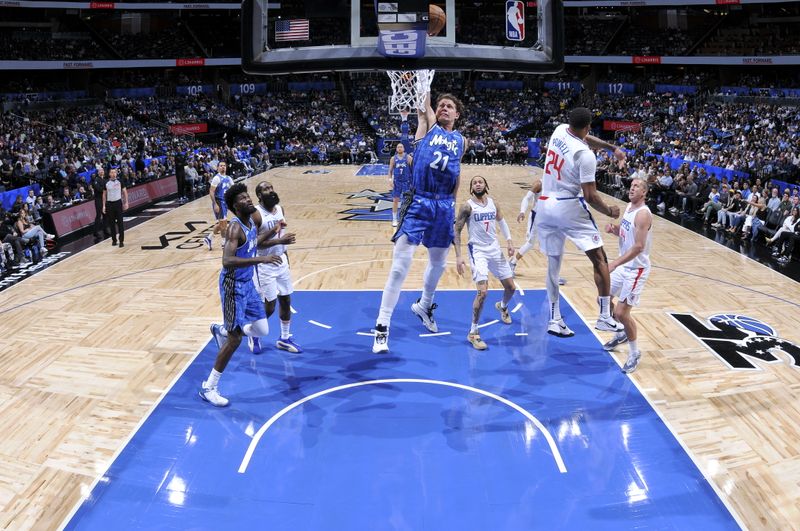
(562, 281)
(381, 342)
(504, 315)
(207, 241)
(288, 345)
(618, 339)
(426, 316)
(559, 328)
(212, 396)
(608, 324)
(476, 341)
(632, 362)
(216, 332)
(254, 344)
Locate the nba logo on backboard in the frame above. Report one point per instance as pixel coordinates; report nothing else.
(515, 20)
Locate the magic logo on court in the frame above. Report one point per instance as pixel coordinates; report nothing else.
(738, 340)
(368, 205)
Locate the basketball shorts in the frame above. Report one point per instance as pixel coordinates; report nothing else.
(627, 284)
(483, 262)
(559, 219)
(399, 187)
(223, 211)
(241, 303)
(272, 280)
(427, 220)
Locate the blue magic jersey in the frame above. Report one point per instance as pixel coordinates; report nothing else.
(222, 182)
(401, 169)
(246, 250)
(437, 161)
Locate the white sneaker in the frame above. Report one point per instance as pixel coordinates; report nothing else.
(608, 324)
(394, 223)
(207, 241)
(216, 333)
(381, 342)
(504, 315)
(559, 328)
(426, 316)
(562, 281)
(212, 396)
(632, 362)
(618, 339)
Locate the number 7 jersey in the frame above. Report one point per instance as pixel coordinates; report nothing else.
(566, 153)
(437, 161)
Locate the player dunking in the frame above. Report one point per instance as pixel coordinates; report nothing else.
(219, 185)
(274, 280)
(482, 216)
(629, 272)
(242, 309)
(400, 174)
(568, 184)
(427, 214)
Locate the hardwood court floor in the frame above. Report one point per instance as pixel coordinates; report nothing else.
(90, 344)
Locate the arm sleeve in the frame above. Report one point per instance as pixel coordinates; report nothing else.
(504, 229)
(587, 164)
(526, 202)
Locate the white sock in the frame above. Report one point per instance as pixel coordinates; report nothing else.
(213, 378)
(555, 311)
(605, 305)
(394, 217)
(426, 299)
(504, 304)
(285, 329)
(223, 332)
(474, 328)
(632, 344)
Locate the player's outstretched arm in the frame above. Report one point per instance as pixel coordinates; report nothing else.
(426, 118)
(619, 153)
(461, 220)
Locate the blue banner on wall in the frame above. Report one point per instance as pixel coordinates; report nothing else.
(140, 92)
(194, 90)
(489, 84)
(762, 91)
(675, 89)
(534, 148)
(7, 199)
(248, 88)
(306, 86)
(616, 88)
(676, 162)
(573, 87)
(44, 96)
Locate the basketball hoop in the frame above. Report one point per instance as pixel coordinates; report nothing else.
(409, 88)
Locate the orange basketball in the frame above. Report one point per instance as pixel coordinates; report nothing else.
(436, 20)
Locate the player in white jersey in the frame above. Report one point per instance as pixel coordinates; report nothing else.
(527, 208)
(274, 281)
(568, 184)
(630, 270)
(482, 216)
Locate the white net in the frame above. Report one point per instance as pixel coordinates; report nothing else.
(409, 88)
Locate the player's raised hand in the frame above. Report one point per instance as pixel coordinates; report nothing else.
(621, 156)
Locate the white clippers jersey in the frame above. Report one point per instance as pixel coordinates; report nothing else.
(268, 221)
(483, 226)
(627, 237)
(561, 177)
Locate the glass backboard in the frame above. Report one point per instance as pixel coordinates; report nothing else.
(280, 37)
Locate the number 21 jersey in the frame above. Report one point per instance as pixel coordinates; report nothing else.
(437, 161)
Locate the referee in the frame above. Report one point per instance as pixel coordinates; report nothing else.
(115, 201)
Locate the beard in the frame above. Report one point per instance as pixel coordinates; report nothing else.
(270, 200)
(479, 194)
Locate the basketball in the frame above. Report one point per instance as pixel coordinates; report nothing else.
(436, 20)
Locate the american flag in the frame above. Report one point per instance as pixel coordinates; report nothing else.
(291, 30)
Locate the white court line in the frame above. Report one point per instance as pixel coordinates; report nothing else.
(717, 490)
(521, 334)
(87, 491)
(519, 288)
(291, 309)
(368, 334)
(435, 334)
(313, 322)
(517, 307)
(488, 324)
(257, 437)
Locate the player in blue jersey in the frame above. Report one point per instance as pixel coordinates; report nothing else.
(400, 175)
(242, 308)
(220, 183)
(427, 213)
